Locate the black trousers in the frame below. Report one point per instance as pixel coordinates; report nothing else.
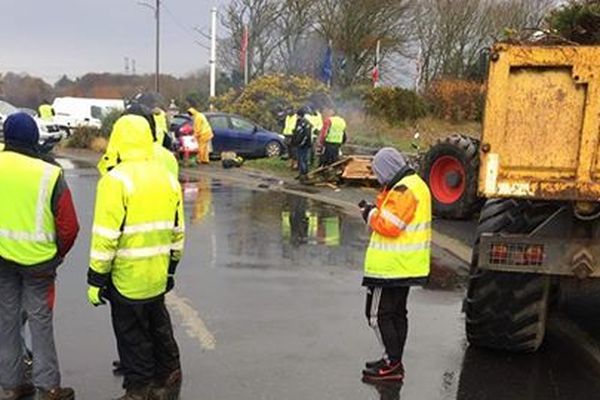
(386, 312)
(331, 154)
(145, 342)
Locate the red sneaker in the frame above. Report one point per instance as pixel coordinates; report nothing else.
(390, 371)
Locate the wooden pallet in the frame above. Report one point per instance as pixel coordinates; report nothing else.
(350, 168)
(359, 169)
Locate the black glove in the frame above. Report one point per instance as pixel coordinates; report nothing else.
(366, 210)
(170, 283)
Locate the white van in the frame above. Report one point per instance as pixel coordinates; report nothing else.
(76, 112)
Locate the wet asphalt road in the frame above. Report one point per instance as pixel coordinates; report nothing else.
(268, 305)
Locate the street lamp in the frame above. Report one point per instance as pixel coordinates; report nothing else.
(156, 10)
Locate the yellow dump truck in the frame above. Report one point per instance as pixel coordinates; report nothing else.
(539, 230)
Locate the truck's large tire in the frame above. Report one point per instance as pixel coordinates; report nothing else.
(451, 168)
(504, 310)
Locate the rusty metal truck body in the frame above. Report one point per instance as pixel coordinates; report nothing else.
(539, 231)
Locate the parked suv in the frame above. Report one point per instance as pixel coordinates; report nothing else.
(50, 134)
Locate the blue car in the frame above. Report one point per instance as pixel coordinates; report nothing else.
(234, 133)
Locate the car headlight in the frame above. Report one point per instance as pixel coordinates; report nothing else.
(281, 137)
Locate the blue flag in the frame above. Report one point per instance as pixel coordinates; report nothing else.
(327, 68)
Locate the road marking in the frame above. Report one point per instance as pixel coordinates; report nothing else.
(193, 324)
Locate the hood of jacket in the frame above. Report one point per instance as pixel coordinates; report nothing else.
(387, 163)
(192, 111)
(131, 139)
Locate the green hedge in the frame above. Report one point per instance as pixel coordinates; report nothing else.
(395, 104)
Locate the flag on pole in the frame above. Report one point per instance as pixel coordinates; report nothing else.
(327, 67)
(375, 73)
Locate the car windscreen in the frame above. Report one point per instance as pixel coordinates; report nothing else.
(7, 108)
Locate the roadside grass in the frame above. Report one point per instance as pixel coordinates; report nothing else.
(274, 165)
(368, 131)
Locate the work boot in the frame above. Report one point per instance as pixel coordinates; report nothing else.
(56, 393)
(169, 389)
(390, 371)
(136, 394)
(20, 392)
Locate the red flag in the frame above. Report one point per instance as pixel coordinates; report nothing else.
(375, 75)
(244, 48)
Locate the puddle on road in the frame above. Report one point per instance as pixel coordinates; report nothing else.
(262, 229)
(243, 228)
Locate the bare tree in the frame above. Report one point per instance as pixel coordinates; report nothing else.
(260, 16)
(451, 34)
(354, 28)
(299, 46)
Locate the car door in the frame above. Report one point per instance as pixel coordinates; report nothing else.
(245, 135)
(222, 133)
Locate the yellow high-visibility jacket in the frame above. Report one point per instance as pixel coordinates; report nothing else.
(400, 248)
(138, 230)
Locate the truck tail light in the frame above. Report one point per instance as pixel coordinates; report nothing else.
(534, 255)
(499, 254)
(517, 254)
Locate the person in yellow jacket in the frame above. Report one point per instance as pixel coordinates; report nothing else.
(289, 125)
(161, 124)
(137, 242)
(46, 111)
(203, 133)
(166, 157)
(397, 258)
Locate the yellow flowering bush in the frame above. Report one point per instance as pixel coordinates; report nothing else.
(265, 98)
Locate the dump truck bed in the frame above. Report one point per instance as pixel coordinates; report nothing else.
(542, 122)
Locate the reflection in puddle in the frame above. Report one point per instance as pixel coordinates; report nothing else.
(245, 228)
(301, 225)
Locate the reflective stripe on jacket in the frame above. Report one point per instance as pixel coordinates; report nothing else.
(27, 231)
(337, 129)
(400, 246)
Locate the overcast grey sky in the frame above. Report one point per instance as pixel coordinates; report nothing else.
(48, 38)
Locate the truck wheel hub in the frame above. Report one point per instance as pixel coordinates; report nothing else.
(453, 179)
(447, 178)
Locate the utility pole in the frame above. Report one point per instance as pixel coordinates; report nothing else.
(157, 78)
(246, 46)
(156, 9)
(213, 53)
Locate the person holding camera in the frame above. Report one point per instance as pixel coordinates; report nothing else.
(397, 258)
